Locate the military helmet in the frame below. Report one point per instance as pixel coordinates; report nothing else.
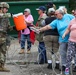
(4, 4)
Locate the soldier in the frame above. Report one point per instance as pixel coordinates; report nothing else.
(6, 21)
(4, 26)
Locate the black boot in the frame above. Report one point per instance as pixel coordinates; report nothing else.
(62, 68)
(57, 66)
(49, 66)
(74, 69)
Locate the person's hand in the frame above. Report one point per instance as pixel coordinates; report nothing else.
(38, 31)
(63, 36)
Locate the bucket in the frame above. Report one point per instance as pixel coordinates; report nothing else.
(19, 21)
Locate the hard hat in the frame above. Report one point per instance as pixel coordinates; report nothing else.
(6, 5)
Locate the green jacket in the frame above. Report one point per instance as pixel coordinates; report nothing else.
(39, 36)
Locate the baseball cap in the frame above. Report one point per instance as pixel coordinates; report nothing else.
(51, 10)
(41, 8)
(27, 9)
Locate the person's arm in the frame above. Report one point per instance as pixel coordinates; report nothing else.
(47, 27)
(28, 22)
(65, 33)
(52, 25)
(67, 30)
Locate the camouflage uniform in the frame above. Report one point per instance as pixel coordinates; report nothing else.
(4, 26)
(6, 22)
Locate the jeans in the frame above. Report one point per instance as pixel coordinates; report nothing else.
(63, 53)
(42, 53)
(23, 40)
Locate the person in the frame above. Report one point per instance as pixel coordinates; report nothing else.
(41, 46)
(4, 26)
(64, 9)
(51, 36)
(50, 5)
(72, 12)
(6, 19)
(25, 33)
(71, 52)
(65, 12)
(61, 23)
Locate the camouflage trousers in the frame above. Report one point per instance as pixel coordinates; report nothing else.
(8, 40)
(3, 53)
